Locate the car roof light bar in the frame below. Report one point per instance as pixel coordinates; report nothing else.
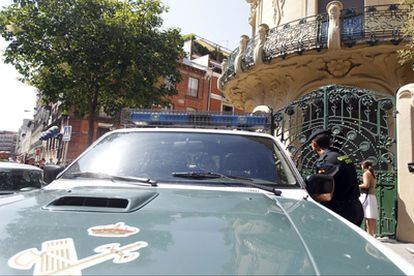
(155, 118)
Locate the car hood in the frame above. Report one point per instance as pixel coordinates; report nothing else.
(178, 231)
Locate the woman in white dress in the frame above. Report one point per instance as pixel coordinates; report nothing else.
(368, 197)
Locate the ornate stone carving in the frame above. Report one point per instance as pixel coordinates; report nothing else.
(249, 104)
(365, 67)
(253, 12)
(258, 49)
(237, 97)
(244, 39)
(334, 30)
(338, 68)
(278, 11)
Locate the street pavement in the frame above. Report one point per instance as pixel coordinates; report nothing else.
(405, 250)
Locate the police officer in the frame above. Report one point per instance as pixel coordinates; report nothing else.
(344, 200)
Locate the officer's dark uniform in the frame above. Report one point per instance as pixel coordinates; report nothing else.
(345, 199)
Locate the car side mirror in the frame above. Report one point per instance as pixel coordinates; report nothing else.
(50, 172)
(320, 187)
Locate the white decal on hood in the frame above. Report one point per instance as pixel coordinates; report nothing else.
(117, 230)
(58, 257)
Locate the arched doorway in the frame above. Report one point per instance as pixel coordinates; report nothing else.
(362, 125)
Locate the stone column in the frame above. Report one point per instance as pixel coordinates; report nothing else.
(405, 155)
(244, 39)
(258, 48)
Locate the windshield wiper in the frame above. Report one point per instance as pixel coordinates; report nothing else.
(197, 175)
(140, 180)
(212, 175)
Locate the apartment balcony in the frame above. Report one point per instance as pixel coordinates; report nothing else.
(272, 59)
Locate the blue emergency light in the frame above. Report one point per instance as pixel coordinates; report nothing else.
(139, 118)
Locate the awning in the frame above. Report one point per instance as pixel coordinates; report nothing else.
(50, 133)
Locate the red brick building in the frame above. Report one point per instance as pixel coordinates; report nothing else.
(197, 91)
(200, 72)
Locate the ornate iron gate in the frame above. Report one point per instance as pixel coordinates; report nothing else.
(362, 125)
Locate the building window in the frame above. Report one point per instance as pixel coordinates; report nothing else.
(227, 108)
(101, 131)
(192, 87)
(169, 107)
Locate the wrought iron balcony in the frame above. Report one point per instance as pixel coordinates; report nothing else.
(228, 70)
(371, 26)
(374, 24)
(308, 33)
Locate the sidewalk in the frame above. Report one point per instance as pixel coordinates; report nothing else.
(405, 250)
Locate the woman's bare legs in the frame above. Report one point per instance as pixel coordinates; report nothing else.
(371, 226)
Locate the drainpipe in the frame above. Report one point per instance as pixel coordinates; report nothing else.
(209, 76)
(66, 143)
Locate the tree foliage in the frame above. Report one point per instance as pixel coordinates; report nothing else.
(93, 54)
(407, 54)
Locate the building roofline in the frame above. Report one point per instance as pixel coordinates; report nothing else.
(214, 44)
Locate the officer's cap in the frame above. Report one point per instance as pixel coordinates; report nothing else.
(317, 132)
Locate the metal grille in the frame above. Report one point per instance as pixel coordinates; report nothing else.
(362, 125)
(229, 71)
(374, 24)
(248, 59)
(297, 36)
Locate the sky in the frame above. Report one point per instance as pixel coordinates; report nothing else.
(220, 21)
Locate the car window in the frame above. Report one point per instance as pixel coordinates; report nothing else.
(16, 179)
(157, 155)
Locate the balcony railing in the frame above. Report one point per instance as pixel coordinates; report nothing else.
(229, 70)
(372, 25)
(308, 33)
(248, 59)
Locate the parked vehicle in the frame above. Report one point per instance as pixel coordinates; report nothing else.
(15, 177)
(157, 201)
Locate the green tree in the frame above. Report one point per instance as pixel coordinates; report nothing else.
(407, 54)
(93, 54)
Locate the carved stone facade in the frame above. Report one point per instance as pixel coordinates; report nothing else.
(253, 14)
(268, 79)
(278, 6)
(279, 12)
(288, 59)
(281, 81)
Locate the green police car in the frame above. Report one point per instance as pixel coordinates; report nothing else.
(151, 200)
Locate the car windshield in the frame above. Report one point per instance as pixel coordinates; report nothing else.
(16, 179)
(168, 156)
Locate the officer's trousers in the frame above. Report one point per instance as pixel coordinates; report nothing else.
(351, 210)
